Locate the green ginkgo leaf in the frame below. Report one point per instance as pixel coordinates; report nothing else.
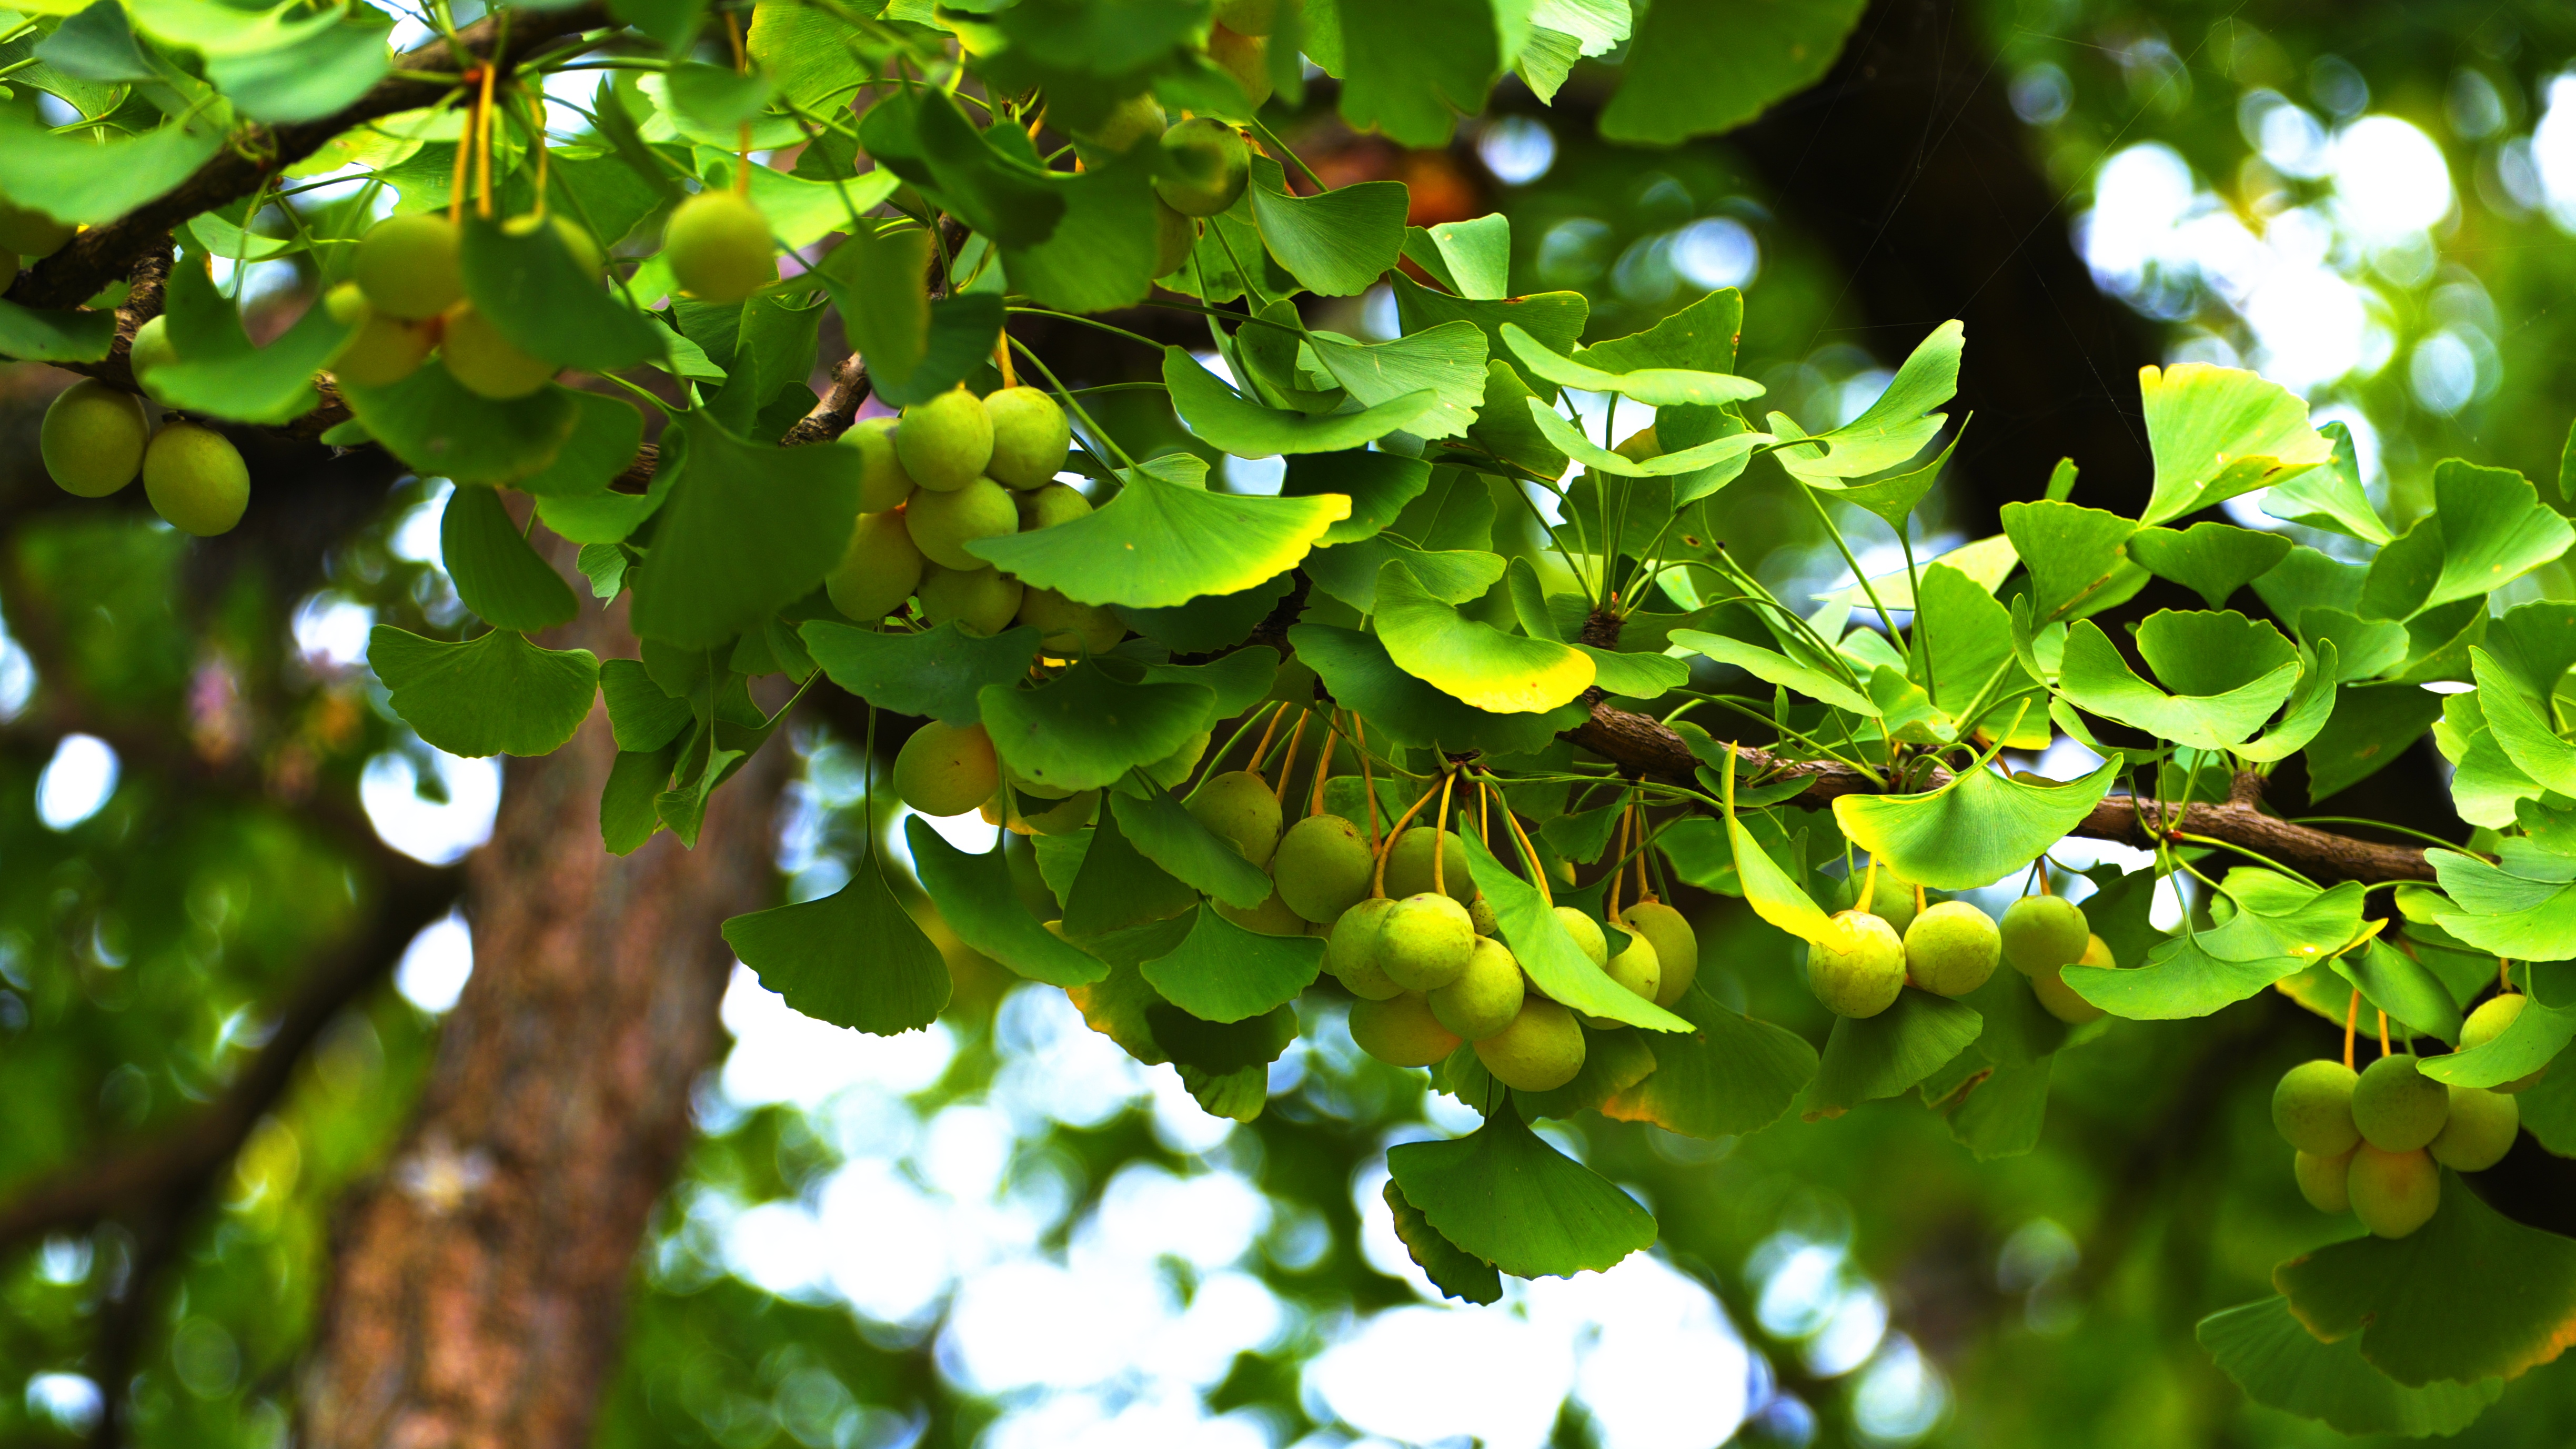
(1554, 963)
(2212, 560)
(1654, 386)
(2364, 648)
(1870, 1057)
(495, 694)
(1453, 1270)
(1356, 668)
(32, 334)
(1772, 667)
(436, 426)
(268, 385)
(2280, 928)
(2304, 718)
(2493, 530)
(1899, 424)
(2515, 916)
(1448, 361)
(1159, 545)
(1085, 729)
(749, 529)
(1246, 429)
(524, 280)
(854, 958)
(1554, 318)
(1162, 830)
(2530, 1042)
(1118, 889)
(497, 574)
(1224, 973)
(1379, 485)
(1974, 831)
(1336, 243)
(2234, 672)
(2278, 1363)
(2217, 432)
(976, 898)
(1730, 1075)
(2522, 726)
(936, 674)
(1481, 665)
(1503, 1195)
(2330, 497)
(1349, 572)
(1568, 439)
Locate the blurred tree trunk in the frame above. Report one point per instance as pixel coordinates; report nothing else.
(479, 1287)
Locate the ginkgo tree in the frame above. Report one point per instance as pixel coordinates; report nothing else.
(1358, 737)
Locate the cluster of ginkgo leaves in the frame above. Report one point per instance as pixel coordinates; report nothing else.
(1471, 859)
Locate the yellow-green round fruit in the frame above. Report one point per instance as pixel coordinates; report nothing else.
(1408, 864)
(1031, 437)
(1244, 57)
(1175, 767)
(1206, 166)
(1248, 17)
(1485, 997)
(382, 350)
(719, 248)
(92, 439)
(1270, 918)
(152, 348)
(1401, 1031)
(878, 570)
(25, 232)
(1891, 897)
(982, 601)
(2312, 1107)
(2042, 933)
(1425, 942)
(2097, 952)
(2061, 1000)
(1137, 118)
(1061, 817)
(2397, 1107)
(1350, 950)
(1540, 1051)
(1323, 867)
(944, 443)
(1053, 504)
(1952, 948)
(1481, 911)
(577, 244)
(882, 482)
(946, 769)
(1635, 967)
(1238, 808)
(2487, 1023)
(2393, 1193)
(943, 524)
(2324, 1181)
(1587, 935)
(409, 266)
(2479, 1131)
(484, 362)
(1174, 236)
(1858, 967)
(196, 479)
(1676, 945)
(1069, 627)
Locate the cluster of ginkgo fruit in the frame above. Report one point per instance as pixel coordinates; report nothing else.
(2373, 1142)
(1866, 958)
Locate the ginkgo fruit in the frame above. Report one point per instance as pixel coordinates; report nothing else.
(2393, 1193)
(196, 479)
(718, 246)
(1350, 950)
(2489, 1022)
(92, 438)
(1676, 945)
(1174, 236)
(1137, 118)
(152, 348)
(1481, 911)
(1401, 1031)
(945, 442)
(1540, 1051)
(981, 601)
(1249, 17)
(2063, 1001)
(1066, 627)
(1636, 967)
(1239, 808)
(943, 524)
(27, 232)
(2477, 1131)
(1245, 57)
(2312, 1107)
(1857, 966)
(2397, 1107)
(1891, 896)
(1205, 167)
(411, 267)
(1408, 864)
(1270, 918)
(1031, 437)
(2042, 933)
(484, 362)
(2324, 1181)
(1323, 867)
(1587, 935)
(1053, 504)
(882, 482)
(1485, 997)
(1425, 941)
(382, 350)
(1952, 948)
(879, 569)
(946, 769)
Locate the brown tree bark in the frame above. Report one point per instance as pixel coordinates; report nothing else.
(479, 1287)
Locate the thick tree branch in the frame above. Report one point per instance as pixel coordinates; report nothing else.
(255, 153)
(1641, 746)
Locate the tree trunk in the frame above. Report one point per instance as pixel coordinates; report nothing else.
(479, 1286)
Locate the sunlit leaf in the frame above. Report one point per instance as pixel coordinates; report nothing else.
(1655, 386)
(2213, 560)
(2229, 673)
(1224, 973)
(2217, 432)
(1229, 421)
(1554, 963)
(1479, 664)
(2278, 1363)
(2330, 497)
(1974, 831)
(1159, 545)
(1364, 679)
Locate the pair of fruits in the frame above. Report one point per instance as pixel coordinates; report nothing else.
(1203, 165)
(95, 439)
(948, 472)
(407, 296)
(1866, 958)
(2374, 1142)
